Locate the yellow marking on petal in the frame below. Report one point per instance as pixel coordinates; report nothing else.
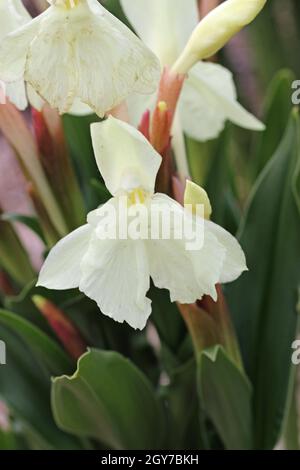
(137, 196)
(195, 195)
(68, 4)
(72, 3)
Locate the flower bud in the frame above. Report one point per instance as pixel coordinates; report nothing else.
(216, 29)
(195, 195)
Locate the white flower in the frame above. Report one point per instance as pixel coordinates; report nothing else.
(77, 52)
(116, 272)
(13, 15)
(209, 96)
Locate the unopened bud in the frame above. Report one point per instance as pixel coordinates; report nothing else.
(216, 29)
(195, 195)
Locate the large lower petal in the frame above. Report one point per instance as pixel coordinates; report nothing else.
(111, 61)
(115, 273)
(125, 158)
(50, 68)
(187, 274)
(209, 99)
(61, 269)
(164, 25)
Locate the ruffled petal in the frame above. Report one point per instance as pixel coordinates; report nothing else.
(187, 274)
(208, 99)
(50, 68)
(115, 273)
(235, 261)
(121, 65)
(61, 269)
(164, 26)
(125, 158)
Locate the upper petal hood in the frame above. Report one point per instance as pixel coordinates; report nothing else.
(164, 25)
(125, 158)
(208, 99)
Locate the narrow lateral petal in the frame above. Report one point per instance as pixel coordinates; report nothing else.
(235, 262)
(208, 99)
(61, 269)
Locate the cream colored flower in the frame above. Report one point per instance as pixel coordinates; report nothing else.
(13, 15)
(209, 96)
(77, 52)
(116, 271)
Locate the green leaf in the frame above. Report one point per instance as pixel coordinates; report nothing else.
(225, 394)
(277, 109)
(220, 183)
(183, 408)
(32, 358)
(13, 257)
(110, 400)
(30, 222)
(263, 301)
(167, 319)
(77, 130)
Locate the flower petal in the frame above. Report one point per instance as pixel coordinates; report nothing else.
(17, 94)
(235, 261)
(61, 269)
(50, 66)
(125, 158)
(188, 275)
(13, 51)
(208, 99)
(115, 273)
(164, 26)
(106, 75)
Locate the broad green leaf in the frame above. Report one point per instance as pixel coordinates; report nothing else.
(110, 400)
(263, 301)
(183, 408)
(277, 109)
(225, 394)
(32, 358)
